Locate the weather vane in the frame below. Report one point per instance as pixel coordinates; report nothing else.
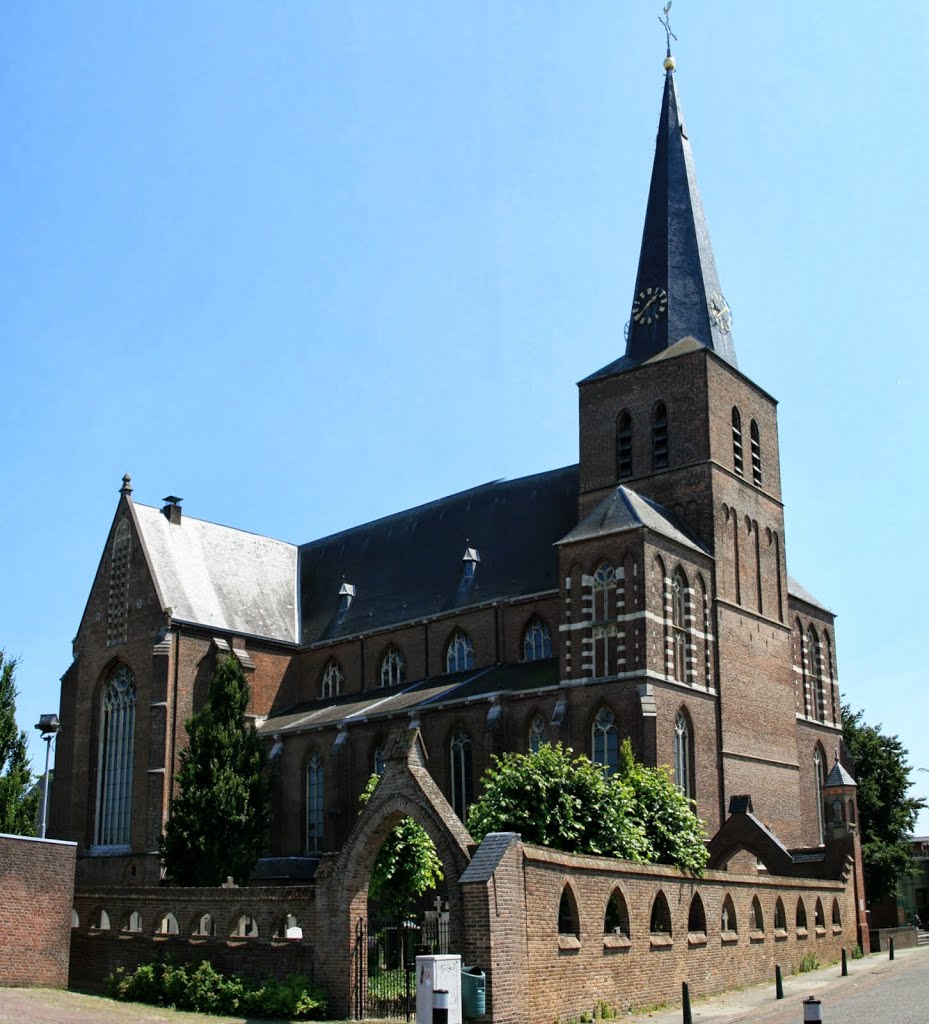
(666, 22)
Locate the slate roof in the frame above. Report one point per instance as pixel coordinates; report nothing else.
(625, 509)
(802, 594)
(436, 691)
(409, 565)
(839, 776)
(216, 576)
(676, 254)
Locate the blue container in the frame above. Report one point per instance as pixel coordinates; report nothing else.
(473, 992)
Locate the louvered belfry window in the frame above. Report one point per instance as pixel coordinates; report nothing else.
(117, 735)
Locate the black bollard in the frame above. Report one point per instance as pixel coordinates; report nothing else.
(844, 964)
(891, 948)
(439, 1006)
(778, 982)
(685, 1002)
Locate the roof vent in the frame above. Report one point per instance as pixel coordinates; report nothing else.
(346, 596)
(470, 559)
(172, 509)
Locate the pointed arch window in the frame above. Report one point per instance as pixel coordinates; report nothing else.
(800, 919)
(815, 657)
(819, 777)
(605, 741)
(459, 655)
(624, 445)
(393, 668)
(537, 640)
(315, 804)
(538, 734)
(660, 436)
(728, 921)
(114, 782)
(461, 771)
(683, 777)
(568, 921)
(333, 677)
(737, 463)
(756, 454)
(696, 918)
(679, 624)
(660, 921)
(616, 918)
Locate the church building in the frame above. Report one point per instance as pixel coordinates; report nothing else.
(643, 592)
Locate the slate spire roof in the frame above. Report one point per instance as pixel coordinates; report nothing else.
(677, 291)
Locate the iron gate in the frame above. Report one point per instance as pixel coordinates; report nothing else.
(384, 962)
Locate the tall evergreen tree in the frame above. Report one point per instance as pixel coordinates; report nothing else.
(886, 814)
(221, 817)
(19, 808)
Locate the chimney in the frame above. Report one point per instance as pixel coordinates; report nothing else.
(172, 509)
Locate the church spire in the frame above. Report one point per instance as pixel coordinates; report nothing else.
(677, 292)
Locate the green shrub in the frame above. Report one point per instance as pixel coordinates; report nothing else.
(857, 953)
(203, 989)
(809, 963)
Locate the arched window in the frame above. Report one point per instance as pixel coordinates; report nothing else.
(462, 791)
(728, 921)
(379, 763)
(459, 655)
(819, 779)
(820, 914)
(568, 922)
(393, 668)
(756, 455)
(114, 782)
(817, 697)
(205, 925)
(167, 925)
(660, 437)
(660, 922)
(538, 734)
(801, 913)
(780, 916)
(755, 916)
(737, 441)
(683, 777)
(605, 741)
(331, 685)
(624, 445)
(679, 624)
(696, 919)
(537, 640)
(315, 804)
(836, 914)
(616, 918)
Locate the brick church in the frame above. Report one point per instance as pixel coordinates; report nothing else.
(643, 592)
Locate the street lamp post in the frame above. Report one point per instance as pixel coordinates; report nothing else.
(48, 725)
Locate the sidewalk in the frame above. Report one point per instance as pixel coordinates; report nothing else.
(758, 1003)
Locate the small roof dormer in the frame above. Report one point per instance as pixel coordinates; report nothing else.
(470, 560)
(346, 596)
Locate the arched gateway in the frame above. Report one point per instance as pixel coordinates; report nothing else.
(406, 790)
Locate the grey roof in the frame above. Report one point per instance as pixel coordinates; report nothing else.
(219, 577)
(410, 698)
(802, 594)
(625, 509)
(839, 776)
(409, 565)
(487, 856)
(676, 255)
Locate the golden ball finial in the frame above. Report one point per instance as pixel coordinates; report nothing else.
(669, 63)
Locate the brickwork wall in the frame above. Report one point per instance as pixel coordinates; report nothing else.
(36, 892)
(569, 974)
(96, 952)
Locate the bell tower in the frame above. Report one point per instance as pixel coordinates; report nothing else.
(674, 420)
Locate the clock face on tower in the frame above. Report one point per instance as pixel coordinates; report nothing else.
(649, 305)
(720, 312)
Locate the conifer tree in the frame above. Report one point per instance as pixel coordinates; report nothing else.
(19, 807)
(221, 817)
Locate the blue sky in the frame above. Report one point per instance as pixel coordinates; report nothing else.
(306, 264)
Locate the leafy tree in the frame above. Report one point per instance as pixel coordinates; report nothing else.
(886, 814)
(566, 802)
(19, 808)
(221, 817)
(407, 864)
